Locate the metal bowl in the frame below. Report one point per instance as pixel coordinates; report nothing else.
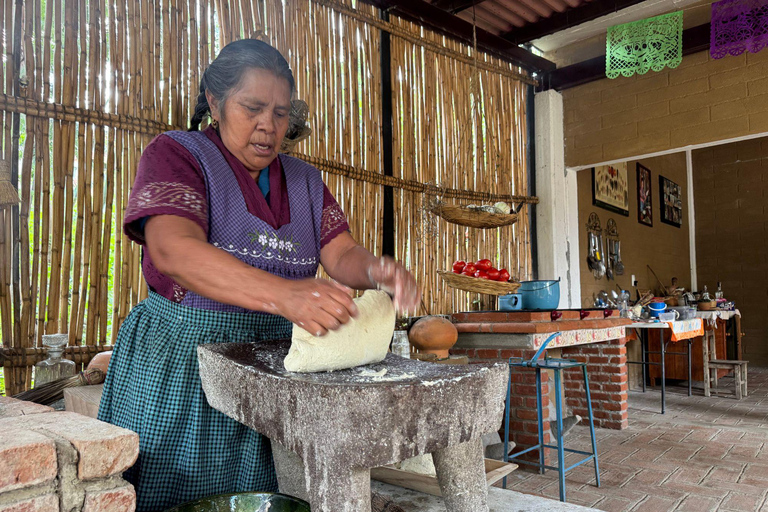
(244, 502)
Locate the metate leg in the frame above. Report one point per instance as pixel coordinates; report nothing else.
(461, 474)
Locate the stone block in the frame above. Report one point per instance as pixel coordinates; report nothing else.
(27, 458)
(45, 503)
(122, 499)
(10, 407)
(103, 449)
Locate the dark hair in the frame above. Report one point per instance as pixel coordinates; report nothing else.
(226, 71)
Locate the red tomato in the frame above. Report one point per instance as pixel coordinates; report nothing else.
(485, 276)
(483, 264)
(493, 274)
(467, 273)
(504, 275)
(469, 267)
(458, 266)
(481, 273)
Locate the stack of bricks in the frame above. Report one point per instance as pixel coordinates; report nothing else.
(608, 382)
(62, 462)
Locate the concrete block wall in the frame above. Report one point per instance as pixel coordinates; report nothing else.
(62, 462)
(703, 100)
(731, 201)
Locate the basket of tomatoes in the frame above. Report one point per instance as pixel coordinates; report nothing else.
(479, 276)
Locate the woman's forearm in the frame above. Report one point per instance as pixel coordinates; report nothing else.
(179, 250)
(353, 268)
(212, 273)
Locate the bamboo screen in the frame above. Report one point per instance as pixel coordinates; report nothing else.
(87, 84)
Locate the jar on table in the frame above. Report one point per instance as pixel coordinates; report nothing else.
(55, 367)
(400, 344)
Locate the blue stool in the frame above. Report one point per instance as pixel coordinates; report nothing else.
(558, 365)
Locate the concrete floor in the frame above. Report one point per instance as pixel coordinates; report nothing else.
(704, 454)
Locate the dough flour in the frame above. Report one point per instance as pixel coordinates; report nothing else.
(362, 340)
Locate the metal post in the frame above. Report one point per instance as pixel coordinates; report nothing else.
(540, 415)
(591, 425)
(388, 211)
(560, 451)
(507, 407)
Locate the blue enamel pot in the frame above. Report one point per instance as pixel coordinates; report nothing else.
(540, 294)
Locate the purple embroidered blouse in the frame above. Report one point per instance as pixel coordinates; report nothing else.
(169, 181)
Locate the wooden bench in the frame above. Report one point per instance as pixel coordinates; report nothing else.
(739, 369)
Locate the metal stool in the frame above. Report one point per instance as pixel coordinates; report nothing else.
(558, 365)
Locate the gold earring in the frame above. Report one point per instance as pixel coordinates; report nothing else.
(215, 124)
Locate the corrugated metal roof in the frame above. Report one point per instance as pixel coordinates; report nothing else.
(503, 16)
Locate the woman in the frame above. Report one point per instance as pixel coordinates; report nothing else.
(233, 235)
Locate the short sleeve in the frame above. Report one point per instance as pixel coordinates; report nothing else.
(334, 221)
(169, 181)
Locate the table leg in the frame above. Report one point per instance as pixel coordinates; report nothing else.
(663, 375)
(744, 378)
(689, 367)
(737, 378)
(713, 351)
(642, 334)
(705, 363)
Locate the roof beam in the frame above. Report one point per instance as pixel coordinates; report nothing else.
(455, 6)
(695, 39)
(567, 19)
(452, 26)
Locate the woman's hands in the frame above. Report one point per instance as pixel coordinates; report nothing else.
(392, 277)
(316, 305)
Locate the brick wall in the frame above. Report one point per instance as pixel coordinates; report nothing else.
(608, 383)
(731, 201)
(62, 462)
(607, 372)
(703, 100)
(524, 425)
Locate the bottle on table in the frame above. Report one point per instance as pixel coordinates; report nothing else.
(719, 292)
(55, 367)
(400, 344)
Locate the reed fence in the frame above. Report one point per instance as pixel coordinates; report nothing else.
(86, 84)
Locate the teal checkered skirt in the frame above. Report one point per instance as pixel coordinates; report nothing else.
(187, 449)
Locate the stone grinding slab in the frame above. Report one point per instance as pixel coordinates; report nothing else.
(344, 422)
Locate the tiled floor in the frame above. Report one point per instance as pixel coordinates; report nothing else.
(703, 454)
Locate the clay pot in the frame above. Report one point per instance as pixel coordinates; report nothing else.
(433, 335)
(100, 361)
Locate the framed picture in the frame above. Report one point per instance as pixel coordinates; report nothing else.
(671, 199)
(610, 188)
(644, 196)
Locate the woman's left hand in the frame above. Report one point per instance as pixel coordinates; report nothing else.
(392, 277)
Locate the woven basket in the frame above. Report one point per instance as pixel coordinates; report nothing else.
(707, 306)
(473, 218)
(474, 284)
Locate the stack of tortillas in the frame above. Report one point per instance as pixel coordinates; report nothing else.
(362, 340)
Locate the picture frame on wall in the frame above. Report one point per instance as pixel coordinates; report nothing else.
(644, 196)
(671, 201)
(610, 188)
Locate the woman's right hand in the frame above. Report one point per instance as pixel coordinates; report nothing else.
(316, 305)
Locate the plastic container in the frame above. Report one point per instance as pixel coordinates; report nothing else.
(540, 294)
(670, 316)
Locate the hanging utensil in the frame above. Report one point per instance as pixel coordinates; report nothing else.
(619, 264)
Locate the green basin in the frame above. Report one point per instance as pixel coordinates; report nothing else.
(245, 502)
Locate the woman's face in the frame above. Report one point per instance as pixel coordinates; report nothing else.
(254, 119)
